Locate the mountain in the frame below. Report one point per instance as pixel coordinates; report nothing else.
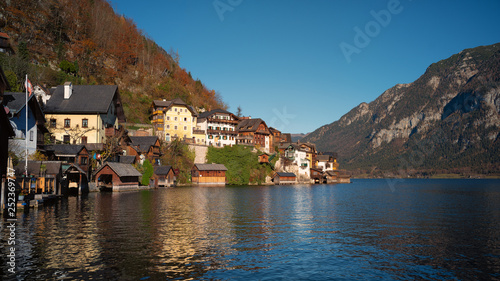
(449, 118)
(298, 137)
(86, 42)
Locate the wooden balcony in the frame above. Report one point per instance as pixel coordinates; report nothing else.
(221, 132)
(214, 120)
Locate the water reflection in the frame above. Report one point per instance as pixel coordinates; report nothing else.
(423, 230)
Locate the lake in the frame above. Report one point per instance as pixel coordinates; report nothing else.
(408, 229)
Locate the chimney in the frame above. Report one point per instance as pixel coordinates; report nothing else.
(68, 90)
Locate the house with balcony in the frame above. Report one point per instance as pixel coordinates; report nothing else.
(220, 127)
(174, 120)
(254, 132)
(84, 113)
(33, 136)
(295, 158)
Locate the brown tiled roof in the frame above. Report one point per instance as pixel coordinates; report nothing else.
(211, 167)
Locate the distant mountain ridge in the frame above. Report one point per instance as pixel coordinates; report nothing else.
(448, 118)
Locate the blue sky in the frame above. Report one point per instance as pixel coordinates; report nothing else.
(301, 64)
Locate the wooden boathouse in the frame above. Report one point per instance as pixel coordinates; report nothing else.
(281, 178)
(208, 174)
(117, 177)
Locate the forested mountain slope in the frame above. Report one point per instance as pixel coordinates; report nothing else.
(86, 42)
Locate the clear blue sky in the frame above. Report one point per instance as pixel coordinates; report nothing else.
(301, 64)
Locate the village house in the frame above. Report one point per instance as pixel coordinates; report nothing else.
(275, 138)
(326, 162)
(174, 120)
(163, 176)
(282, 178)
(254, 132)
(220, 127)
(263, 158)
(76, 154)
(42, 94)
(117, 177)
(84, 114)
(208, 174)
(310, 150)
(142, 148)
(295, 155)
(16, 107)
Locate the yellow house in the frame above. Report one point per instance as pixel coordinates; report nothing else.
(174, 119)
(84, 114)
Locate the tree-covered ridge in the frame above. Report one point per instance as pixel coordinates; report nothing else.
(86, 42)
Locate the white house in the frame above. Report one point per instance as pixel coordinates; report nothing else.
(220, 127)
(298, 156)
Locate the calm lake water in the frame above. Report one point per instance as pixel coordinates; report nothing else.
(367, 230)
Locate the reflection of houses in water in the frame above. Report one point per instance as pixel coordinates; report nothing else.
(73, 244)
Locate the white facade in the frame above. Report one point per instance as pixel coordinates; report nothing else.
(220, 127)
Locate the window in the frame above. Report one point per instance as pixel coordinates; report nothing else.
(168, 118)
(175, 109)
(66, 139)
(168, 127)
(83, 160)
(175, 127)
(84, 140)
(185, 128)
(67, 123)
(85, 123)
(53, 123)
(185, 119)
(175, 118)
(31, 135)
(185, 110)
(210, 137)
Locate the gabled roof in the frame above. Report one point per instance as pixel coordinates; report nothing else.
(142, 144)
(207, 114)
(84, 99)
(121, 169)
(17, 101)
(169, 103)
(211, 167)
(250, 125)
(65, 149)
(323, 158)
(282, 174)
(34, 167)
(162, 170)
(130, 159)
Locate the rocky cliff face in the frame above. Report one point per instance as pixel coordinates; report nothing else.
(454, 106)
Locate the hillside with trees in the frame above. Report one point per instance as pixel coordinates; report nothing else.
(86, 42)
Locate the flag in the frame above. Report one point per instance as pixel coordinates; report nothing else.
(28, 86)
